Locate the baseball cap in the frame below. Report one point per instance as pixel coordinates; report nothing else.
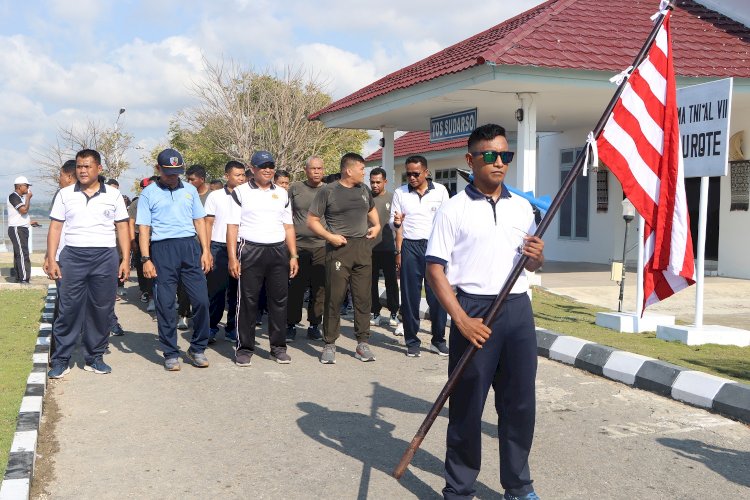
(21, 180)
(260, 158)
(170, 160)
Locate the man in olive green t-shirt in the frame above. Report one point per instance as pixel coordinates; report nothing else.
(311, 249)
(347, 207)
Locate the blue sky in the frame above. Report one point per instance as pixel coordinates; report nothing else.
(63, 62)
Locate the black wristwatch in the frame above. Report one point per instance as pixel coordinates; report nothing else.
(145, 258)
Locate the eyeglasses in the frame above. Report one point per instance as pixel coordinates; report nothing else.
(415, 174)
(491, 156)
(266, 165)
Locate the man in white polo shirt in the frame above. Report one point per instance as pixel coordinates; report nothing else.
(220, 285)
(89, 211)
(412, 213)
(19, 202)
(262, 218)
(478, 237)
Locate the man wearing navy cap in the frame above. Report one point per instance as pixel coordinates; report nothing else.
(261, 216)
(170, 214)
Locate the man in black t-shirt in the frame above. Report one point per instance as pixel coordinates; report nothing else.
(383, 252)
(347, 207)
(19, 222)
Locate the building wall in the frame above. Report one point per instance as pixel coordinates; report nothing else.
(734, 237)
(606, 230)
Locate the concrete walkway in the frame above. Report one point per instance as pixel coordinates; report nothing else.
(726, 300)
(311, 431)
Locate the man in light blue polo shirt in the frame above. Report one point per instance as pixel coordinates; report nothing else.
(170, 214)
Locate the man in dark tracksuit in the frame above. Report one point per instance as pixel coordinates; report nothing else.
(383, 251)
(347, 207)
(478, 237)
(170, 214)
(312, 255)
(88, 211)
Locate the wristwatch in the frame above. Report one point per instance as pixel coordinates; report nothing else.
(398, 252)
(145, 258)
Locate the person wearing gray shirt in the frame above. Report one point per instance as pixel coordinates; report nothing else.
(311, 249)
(347, 207)
(383, 252)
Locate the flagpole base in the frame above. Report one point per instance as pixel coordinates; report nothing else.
(706, 334)
(628, 322)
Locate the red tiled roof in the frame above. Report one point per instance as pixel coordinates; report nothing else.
(412, 143)
(582, 35)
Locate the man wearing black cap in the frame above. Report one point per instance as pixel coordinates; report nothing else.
(262, 218)
(170, 214)
(19, 222)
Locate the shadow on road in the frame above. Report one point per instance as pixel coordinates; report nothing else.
(733, 465)
(369, 439)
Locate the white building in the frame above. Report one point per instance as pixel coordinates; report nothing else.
(554, 63)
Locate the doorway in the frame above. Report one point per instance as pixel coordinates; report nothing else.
(693, 192)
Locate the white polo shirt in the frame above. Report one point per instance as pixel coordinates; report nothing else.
(16, 218)
(419, 211)
(260, 213)
(89, 222)
(479, 240)
(219, 206)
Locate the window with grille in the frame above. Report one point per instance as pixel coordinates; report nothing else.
(602, 190)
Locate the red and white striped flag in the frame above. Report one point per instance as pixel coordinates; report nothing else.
(641, 145)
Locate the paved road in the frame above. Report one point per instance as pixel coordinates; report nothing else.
(310, 431)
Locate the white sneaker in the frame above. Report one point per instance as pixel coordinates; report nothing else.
(393, 320)
(151, 307)
(399, 330)
(182, 323)
(375, 319)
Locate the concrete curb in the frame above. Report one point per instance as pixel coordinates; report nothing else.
(17, 481)
(724, 396)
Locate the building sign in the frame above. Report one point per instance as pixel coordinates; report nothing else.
(453, 126)
(703, 113)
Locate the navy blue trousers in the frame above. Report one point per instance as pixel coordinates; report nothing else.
(86, 293)
(222, 288)
(174, 259)
(412, 278)
(507, 362)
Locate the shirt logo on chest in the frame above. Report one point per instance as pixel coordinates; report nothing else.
(338, 265)
(387, 206)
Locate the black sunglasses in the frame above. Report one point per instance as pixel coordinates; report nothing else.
(266, 165)
(415, 174)
(491, 156)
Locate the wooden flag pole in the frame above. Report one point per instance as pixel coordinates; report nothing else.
(518, 268)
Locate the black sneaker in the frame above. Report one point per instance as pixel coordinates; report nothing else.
(117, 331)
(413, 351)
(291, 333)
(281, 357)
(313, 333)
(98, 366)
(440, 348)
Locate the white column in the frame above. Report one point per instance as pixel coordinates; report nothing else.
(526, 148)
(388, 157)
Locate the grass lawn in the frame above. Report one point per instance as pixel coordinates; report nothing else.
(20, 311)
(566, 316)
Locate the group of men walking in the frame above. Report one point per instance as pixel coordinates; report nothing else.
(257, 238)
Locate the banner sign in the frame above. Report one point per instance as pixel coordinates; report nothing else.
(703, 112)
(453, 126)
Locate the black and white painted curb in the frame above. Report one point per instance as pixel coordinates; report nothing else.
(721, 395)
(17, 480)
(718, 394)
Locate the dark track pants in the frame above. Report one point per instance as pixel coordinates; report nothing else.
(87, 301)
(222, 288)
(145, 285)
(19, 237)
(412, 277)
(507, 362)
(351, 265)
(386, 262)
(261, 264)
(175, 259)
(312, 272)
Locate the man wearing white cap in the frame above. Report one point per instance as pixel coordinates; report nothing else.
(19, 221)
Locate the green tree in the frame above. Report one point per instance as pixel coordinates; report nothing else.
(241, 111)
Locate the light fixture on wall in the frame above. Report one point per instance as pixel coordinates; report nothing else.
(382, 142)
(519, 114)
